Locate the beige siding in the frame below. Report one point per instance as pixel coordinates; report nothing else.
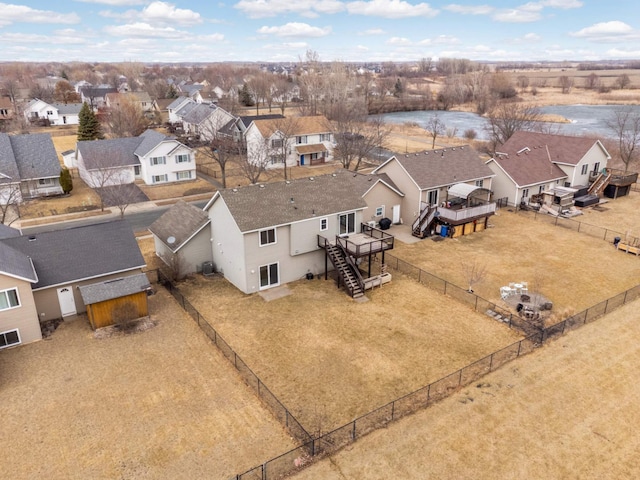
(381, 196)
(23, 318)
(410, 206)
(227, 245)
(47, 302)
(503, 186)
(193, 254)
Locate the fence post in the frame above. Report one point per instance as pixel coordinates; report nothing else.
(605, 234)
(625, 297)
(519, 347)
(445, 288)
(579, 225)
(393, 409)
(606, 305)
(460, 378)
(476, 307)
(491, 362)
(353, 431)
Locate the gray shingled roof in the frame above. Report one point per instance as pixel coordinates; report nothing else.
(16, 264)
(363, 182)
(8, 164)
(182, 111)
(115, 288)
(35, 156)
(67, 108)
(247, 119)
(199, 113)
(73, 254)
(530, 167)
(181, 222)
(266, 205)
(115, 152)
(444, 166)
(177, 102)
(149, 140)
(8, 232)
(563, 149)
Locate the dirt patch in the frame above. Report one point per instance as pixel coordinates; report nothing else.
(162, 404)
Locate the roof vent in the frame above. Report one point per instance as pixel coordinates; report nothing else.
(171, 240)
(32, 238)
(234, 190)
(333, 175)
(288, 182)
(261, 185)
(311, 179)
(524, 150)
(291, 200)
(453, 149)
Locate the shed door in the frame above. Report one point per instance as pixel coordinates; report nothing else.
(67, 302)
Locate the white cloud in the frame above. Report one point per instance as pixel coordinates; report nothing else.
(446, 40)
(143, 30)
(23, 14)
(602, 30)
(272, 8)
(362, 48)
(469, 9)
(115, 3)
(399, 41)
(390, 9)
(373, 31)
(531, 12)
(618, 53)
(158, 13)
(214, 37)
(295, 29)
(563, 4)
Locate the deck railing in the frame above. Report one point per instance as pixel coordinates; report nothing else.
(465, 213)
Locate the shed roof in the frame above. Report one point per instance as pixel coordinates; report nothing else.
(114, 288)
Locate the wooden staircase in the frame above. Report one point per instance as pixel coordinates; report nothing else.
(424, 220)
(346, 269)
(600, 183)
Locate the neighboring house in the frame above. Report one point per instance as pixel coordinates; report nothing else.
(142, 99)
(182, 238)
(266, 235)
(530, 163)
(204, 120)
(41, 274)
(95, 96)
(29, 167)
(55, 113)
(379, 192)
(6, 109)
(191, 90)
(426, 177)
(163, 108)
(152, 157)
(178, 108)
(289, 141)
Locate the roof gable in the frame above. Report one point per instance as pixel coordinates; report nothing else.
(180, 223)
(562, 149)
(16, 264)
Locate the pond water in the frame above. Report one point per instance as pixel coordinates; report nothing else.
(585, 119)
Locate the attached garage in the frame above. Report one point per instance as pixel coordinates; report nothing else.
(117, 300)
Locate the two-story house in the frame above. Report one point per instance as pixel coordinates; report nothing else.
(152, 157)
(289, 141)
(205, 120)
(29, 167)
(530, 163)
(54, 113)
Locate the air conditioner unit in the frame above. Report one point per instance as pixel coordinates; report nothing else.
(207, 268)
(372, 223)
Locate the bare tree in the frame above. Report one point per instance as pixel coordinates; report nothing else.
(120, 196)
(219, 145)
(509, 117)
(566, 83)
(126, 119)
(260, 87)
(10, 199)
(176, 265)
(280, 135)
(357, 136)
(523, 82)
(623, 81)
(252, 169)
(435, 126)
(474, 272)
(625, 124)
(592, 81)
(65, 93)
(283, 87)
(425, 65)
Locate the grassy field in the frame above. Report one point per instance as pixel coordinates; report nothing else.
(567, 411)
(160, 404)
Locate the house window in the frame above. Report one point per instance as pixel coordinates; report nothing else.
(43, 182)
(267, 237)
(4, 112)
(183, 158)
(158, 160)
(432, 197)
(160, 178)
(269, 275)
(183, 175)
(325, 137)
(301, 139)
(584, 170)
(49, 112)
(525, 193)
(324, 224)
(276, 143)
(380, 211)
(541, 189)
(12, 337)
(596, 167)
(136, 170)
(347, 223)
(275, 159)
(9, 299)
(479, 183)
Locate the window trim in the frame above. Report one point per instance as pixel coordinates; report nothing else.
(585, 169)
(324, 221)
(17, 331)
(268, 242)
(163, 175)
(10, 307)
(188, 177)
(186, 155)
(347, 231)
(156, 161)
(269, 284)
(381, 209)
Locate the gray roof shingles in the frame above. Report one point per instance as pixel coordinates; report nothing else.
(444, 166)
(67, 108)
(8, 232)
(199, 113)
(115, 152)
(266, 205)
(8, 165)
(65, 256)
(181, 221)
(150, 139)
(34, 156)
(16, 264)
(115, 288)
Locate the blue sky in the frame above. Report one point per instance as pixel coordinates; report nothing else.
(347, 30)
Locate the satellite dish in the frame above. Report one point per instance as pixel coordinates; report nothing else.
(171, 239)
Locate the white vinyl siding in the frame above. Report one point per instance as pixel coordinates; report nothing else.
(9, 299)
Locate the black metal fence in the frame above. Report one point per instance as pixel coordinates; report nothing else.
(270, 400)
(312, 449)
